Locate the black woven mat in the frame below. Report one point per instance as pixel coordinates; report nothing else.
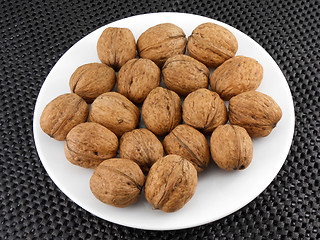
(34, 35)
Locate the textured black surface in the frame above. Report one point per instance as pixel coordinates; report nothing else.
(35, 34)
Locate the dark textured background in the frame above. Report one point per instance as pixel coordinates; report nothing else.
(35, 34)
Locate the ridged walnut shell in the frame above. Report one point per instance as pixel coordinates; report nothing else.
(171, 183)
(137, 78)
(91, 80)
(184, 74)
(204, 110)
(62, 114)
(141, 146)
(212, 44)
(160, 42)
(117, 182)
(190, 144)
(231, 147)
(88, 144)
(236, 75)
(116, 46)
(257, 112)
(115, 112)
(161, 111)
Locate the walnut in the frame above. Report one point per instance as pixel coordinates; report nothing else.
(237, 75)
(204, 110)
(116, 46)
(212, 44)
(62, 114)
(171, 183)
(92, 79)
(137, 78)
(88, 144)
(184, 74)
(190, 144)
(141, 146)
(258, 113)
(161, 111)
(231, 147)
(115, 112)
(117, 182)
(160, 42)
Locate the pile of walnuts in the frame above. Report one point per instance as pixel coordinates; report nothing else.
(95, 135)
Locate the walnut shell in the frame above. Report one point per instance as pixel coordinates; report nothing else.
(92, 79)
(141, 146)
(137, 78)
(116, 46)
(62, 114)
(88, 144)
(184, 74)
(258, 113)
(204, 110)
(160, 42)
(117, 182)
(231, 147)
(171, 183)
(115, 112)
(190, 144)
(161, 111)
(237, 75)
(212, 44)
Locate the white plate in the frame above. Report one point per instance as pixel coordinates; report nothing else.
(219, 193)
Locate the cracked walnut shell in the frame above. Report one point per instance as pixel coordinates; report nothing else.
(88, 144)
(184, 74)
(62, 114)
(171, 183)
(137, 78)
(231, 147)
(190, 144)
(204, 110)
(141, 146)
(117, 182)
(115, 112)
(160, 42)
(236, 75)
(116, 46)
(161, 111)
(257, 112)
(212, 44)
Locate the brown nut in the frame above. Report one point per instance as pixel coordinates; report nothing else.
(141, 146)
(115, 112)
(190, 144)
(116, 46)
(171, 183)
(117, 182)
(137, 78)
(237, 75)
(212, 44)
(184, 74)
(258, 113)
(204, 110)
(62, 114)
(161, 111)
(88, 144)
(160, 42)
(231, 147)
(91, 80)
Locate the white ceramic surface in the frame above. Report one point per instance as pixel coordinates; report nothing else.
(219, 193)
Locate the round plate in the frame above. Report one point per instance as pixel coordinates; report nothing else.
(219, 193)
